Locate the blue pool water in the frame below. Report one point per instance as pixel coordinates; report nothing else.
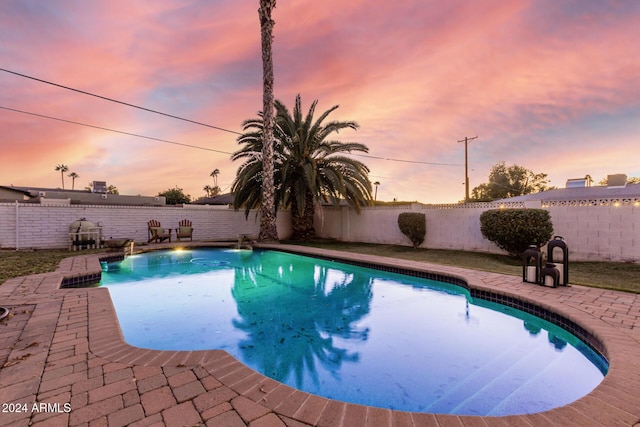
(351, 333)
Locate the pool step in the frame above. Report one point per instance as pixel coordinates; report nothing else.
(558, 392)
(477, 387)
(493, 399)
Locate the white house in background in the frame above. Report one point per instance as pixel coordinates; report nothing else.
(219, 200)
(96, 196)
(581, 189)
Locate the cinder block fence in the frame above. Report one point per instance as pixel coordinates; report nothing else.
(595, 230)
(24, 225)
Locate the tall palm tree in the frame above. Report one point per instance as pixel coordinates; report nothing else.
(309, 168)
(62, 168)
(214, 175)
(268, 228)
(73, 177)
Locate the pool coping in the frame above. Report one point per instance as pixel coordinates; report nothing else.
(612, 318)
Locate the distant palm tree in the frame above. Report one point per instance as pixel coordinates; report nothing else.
(214, 175)
(309, 168)
(375, 196)
(73, 177)
(268, 227)
(62, 168)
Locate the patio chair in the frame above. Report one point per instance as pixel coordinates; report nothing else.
(184, 230)
(157, 233)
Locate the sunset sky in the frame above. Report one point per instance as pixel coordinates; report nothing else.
(551, 85)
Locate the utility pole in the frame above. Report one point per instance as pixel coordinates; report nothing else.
(466, 166)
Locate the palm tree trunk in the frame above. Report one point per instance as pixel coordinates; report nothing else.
(302, 224)
(268, 228)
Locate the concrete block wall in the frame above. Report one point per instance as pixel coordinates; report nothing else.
(604, 232)
(599, 233)
(7, 224)
(446, 228)
(47, 226)
(373, 225)
(593, 233)
(456, 229)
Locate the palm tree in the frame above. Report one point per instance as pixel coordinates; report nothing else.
(62, 168)
(375, 196)
(207, 188)
(309, 168)
(214, 175)
(73, 177)
(268, 228)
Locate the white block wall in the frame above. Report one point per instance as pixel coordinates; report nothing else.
(47, 226)
(593, 233)
(599, 233)
(602, 232)
(446, 228)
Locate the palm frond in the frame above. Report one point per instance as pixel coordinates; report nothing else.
(307, 163)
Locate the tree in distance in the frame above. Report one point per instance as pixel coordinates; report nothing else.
(511, 181)
(73, 177)
(62, 168)
(175, 196)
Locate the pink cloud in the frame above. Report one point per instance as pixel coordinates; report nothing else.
(525, 76)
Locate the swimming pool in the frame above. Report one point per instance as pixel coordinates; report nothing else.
(352, 333)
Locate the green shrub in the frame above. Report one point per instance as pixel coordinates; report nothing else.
(414, 226)
(514, 230)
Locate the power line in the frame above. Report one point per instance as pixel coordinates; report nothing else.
(188, 145)
(115, 131)
(407, 161)
(119, 102)
(175, 117)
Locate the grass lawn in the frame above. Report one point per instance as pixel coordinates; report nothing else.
(610, 275)
(22, 263)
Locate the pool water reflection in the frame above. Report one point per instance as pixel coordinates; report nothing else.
(351, 333)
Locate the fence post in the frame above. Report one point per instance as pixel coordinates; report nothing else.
(17, 219)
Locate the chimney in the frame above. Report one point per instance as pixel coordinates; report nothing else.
(617, 180)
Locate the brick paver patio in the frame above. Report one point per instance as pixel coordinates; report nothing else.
(64, 362)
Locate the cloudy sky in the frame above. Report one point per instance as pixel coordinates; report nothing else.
(551, 85)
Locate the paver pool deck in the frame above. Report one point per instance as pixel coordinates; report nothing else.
(63, 348)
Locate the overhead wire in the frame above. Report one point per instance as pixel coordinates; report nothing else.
(119, 102)
(114, 130)
(408, 161)
(174, 117)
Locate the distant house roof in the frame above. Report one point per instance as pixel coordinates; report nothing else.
(220, 199)
(35, 191)
(76, 197)
(595, 192)
(20, 190)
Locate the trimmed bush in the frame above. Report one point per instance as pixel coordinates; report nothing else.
(414, 226)
(514, 230)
